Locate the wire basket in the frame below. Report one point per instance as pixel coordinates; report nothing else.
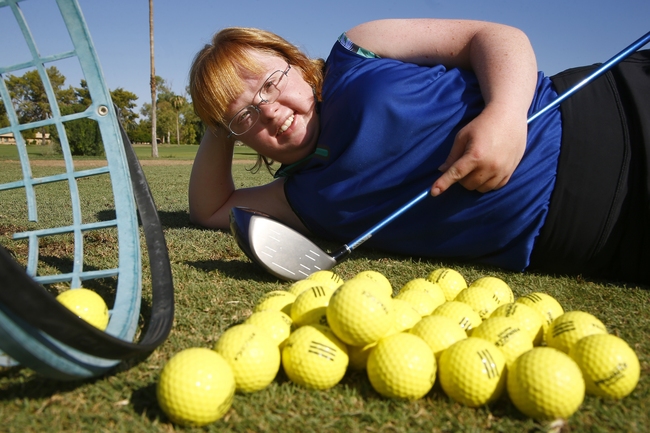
(74, 236)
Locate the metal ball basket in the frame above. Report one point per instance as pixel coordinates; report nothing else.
(36, 331)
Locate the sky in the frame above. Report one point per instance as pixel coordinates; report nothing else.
(564, 33)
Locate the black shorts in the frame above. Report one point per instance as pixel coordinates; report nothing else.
(599, 216)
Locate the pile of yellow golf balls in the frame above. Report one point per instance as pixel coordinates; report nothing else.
(478, 340)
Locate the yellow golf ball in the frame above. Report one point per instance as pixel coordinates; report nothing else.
(424, 301)
(402, 366)
(439, 332)
(196, 387)
(310, 306)
(546, 305)
(327, 277)
(570, 327)
(608, 364)
(500, 289)
(406, 316)
(314, 357)
(480, 298)
(383, 284)
(505, 333)
(545, 384)
(275, 323)
(301, 285)
(432, 289)
(461, 313)
(253, 357)
(472, 372)
(279, 300)
(450, 281)
(359, 315)
(87, 305)
(358, 356)
(528, 318)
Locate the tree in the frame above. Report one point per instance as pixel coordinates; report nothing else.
(83, 135)
(178, 103)
(142, 132)
(125, 102)
(193, 128)
(4, 120)
(152, 82)
(32, 104)
(30, 99)
(165, 112)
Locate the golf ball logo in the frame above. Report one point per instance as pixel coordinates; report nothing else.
(318, 291)
(377, 302)
(571, 326)
(504, 337)
(614, 376)
(545, 304)
(323, 350)
(314, 357)
(465, 323)
(471, 372)
(489, 364)
(310, 306)
(244, 346)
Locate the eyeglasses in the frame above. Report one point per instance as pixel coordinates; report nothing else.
(248, 116)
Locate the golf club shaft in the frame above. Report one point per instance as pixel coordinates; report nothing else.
(348, 248)
(597, 73)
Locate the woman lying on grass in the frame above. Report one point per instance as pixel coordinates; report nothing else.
(402, 104)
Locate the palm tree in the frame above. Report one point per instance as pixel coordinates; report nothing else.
(178, 102)
(152, 81)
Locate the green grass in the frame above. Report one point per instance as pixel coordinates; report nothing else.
(165, 151)
(216, 286)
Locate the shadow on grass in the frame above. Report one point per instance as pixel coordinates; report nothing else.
(144, 402)
(235, 269)
(245, 269)
(37, 387)
(501, 408)
(168, 220)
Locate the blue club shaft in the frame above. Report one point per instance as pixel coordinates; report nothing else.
(346, 249)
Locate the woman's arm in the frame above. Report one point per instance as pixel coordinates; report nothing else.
(487, 150)
(212, 191)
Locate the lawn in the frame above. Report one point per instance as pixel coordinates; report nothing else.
(216, 286)
(165, 151)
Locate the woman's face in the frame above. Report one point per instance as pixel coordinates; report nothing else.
(287, 129)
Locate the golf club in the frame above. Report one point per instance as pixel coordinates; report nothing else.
(289, 255)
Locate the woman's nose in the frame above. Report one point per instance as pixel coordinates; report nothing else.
(268, 111)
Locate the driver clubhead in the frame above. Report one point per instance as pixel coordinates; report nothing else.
(278, 249)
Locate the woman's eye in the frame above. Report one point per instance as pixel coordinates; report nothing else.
(244, 117)
(269, 85)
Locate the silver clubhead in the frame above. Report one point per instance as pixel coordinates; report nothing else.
(279, 249)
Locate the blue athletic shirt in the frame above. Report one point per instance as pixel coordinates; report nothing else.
(386, 126)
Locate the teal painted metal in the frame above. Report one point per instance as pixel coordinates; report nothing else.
(29, 346)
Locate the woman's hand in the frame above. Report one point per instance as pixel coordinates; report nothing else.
(485, 152)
